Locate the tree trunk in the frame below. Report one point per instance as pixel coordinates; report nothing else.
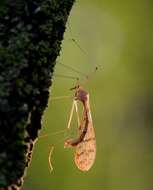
(31, 32)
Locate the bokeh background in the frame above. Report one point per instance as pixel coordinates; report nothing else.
(118, 37)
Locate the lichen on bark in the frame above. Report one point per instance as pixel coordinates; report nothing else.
(31, 32)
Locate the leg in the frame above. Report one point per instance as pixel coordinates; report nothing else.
(76, 109)
(61, 97)
(52, 134)
(49, 158)
(62, 131)
(51, 152)
(71, 115)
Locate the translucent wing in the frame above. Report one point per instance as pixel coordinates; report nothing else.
(85, 153)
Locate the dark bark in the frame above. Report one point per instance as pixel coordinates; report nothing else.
(31, 32)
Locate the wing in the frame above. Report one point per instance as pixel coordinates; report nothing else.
(85, 153)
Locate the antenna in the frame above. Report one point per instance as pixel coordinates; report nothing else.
(73, 39)
(85, 76)
(78, 45)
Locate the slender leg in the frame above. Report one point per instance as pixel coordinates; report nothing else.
(51, 153)
(71, 115)
(49, 158)
(58, 132)
(74, 105)
(52, 134)
(61, 97)
(77, 112)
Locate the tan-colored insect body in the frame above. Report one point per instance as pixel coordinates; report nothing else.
(85, 143)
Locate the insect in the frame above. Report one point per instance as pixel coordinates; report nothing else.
(85, 143)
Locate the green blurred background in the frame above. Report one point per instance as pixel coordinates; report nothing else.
(118, 37)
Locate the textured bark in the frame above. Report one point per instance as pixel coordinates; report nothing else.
(31, 32)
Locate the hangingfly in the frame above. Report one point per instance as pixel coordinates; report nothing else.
(85, 143)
